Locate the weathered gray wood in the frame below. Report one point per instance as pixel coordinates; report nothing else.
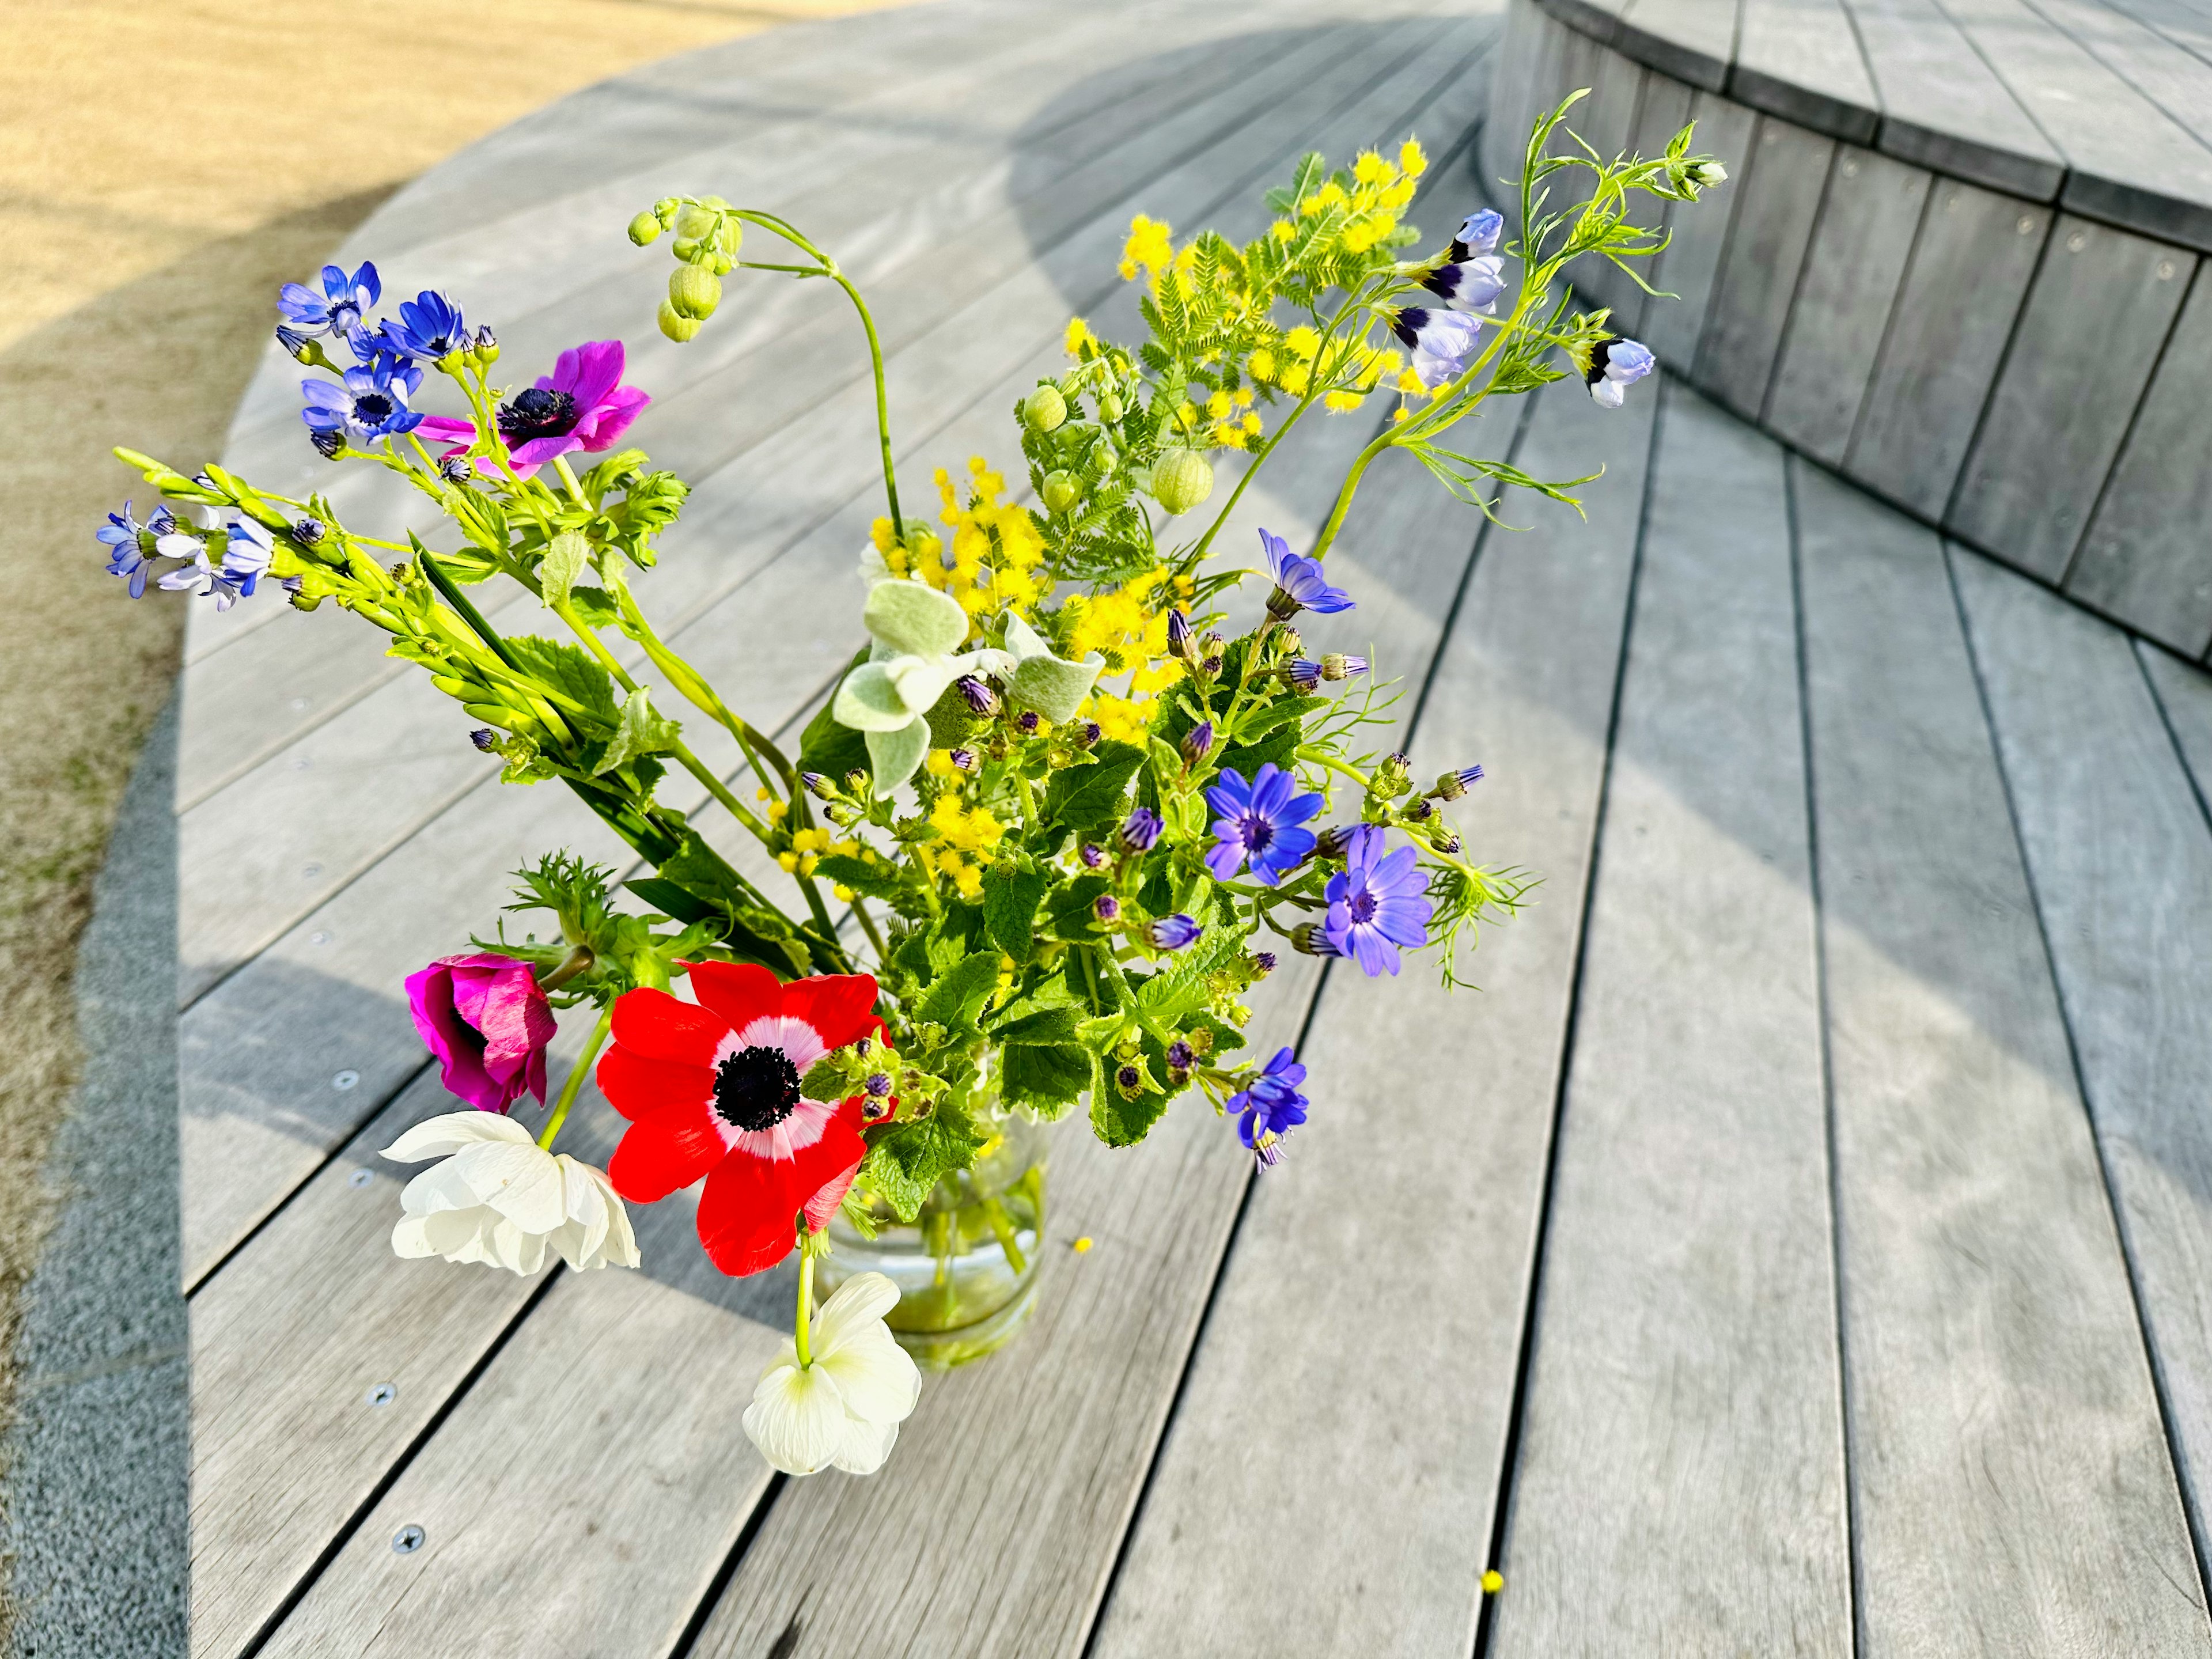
(1942, 106)
(1515, 88)
(1407, 1473)
(2127, 162)
(2080, 359)
(1777, 201)
(2146, 558)
(2120, 858)
(1605, 120)
(1664, 112)
(1693, 41)
(1700, 231)
(2185, 697)
(1976, 253)
(2013, 1490)
(1800, 60)
(1853, 271)
(2174, 79)
(1681, 1464)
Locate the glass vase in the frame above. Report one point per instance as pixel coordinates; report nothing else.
(966, 1266)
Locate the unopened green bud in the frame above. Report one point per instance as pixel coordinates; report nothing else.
(644, 228)
(694, 291)
(1182, 479)
(722, 264)
(687, 248)
(665, 209)
(920, 537)
(696, 224)
(1062, 491)
(1110, 406)
(1043, 409)
(676, 326)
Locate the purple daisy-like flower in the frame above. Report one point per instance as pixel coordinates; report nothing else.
(1174, 932)
(429, 326)
(582, 404)
(1378, 904)
(1441, 342)
(1299, 583)
(370, 403)
(1616, 365)
(1140, 830)
(1259, 824)
(128, 556)
(1472, 286)
(1270, 1106)
(1478, 235)
(338, 309)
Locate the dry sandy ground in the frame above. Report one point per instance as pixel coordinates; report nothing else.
(164, 165)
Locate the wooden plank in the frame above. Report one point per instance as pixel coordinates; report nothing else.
(2013, 1492)
(698, 1528)
(1665, 112)
(1518, 81)
(2120, 858)
(2184, 697)
(1681, 1464)
(1954, 313)
(1943, 108)
(2145, 559)
(978, 1550)
(1689, 267)
(1407, 1473)
(1800, 60)
(1607, 120)
(1853, 271)
(2127, 162)
(2176, 80)
(2081, 360)
(1693, 41)
(1778, 202)
(275, 1098)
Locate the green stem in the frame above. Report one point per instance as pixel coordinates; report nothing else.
(868, 926)
(800, 1337)
(577, 1073)
(568, 478)
(1003, 1225)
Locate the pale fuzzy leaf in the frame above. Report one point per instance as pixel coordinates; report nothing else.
(914, 618)
(869, 701)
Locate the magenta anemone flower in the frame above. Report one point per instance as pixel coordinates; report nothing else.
(582, 404)
(485, 1019)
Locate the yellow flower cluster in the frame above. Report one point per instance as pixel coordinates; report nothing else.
(807, 847)
(966, 878)
(991, 563)
(1130, 625)
(1302, 358)
(1379, 193)
(1149, 247)
(972, 828)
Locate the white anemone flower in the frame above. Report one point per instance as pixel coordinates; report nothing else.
(501, 1198)
(843, 1410)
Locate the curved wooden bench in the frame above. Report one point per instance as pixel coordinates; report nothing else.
(1958, 260)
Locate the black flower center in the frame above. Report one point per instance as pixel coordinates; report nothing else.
(372, 409)
(756, 1088)
(537, 413)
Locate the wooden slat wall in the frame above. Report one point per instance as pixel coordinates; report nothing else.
(1942, 106)
(1800, 60)
(1689, 269)
(1775, 205)
(2013, 1492)
(1681, 1462)
(2119, 855)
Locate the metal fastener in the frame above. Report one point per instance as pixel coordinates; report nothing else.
(345, 1079)
(2077, 241)
(2026, 225)
(2166, 271)
(408, 1540)
(383, 1394)
(310, 872)
(320, 936)
(1851, 169)
(360, 1177)
(299, 703)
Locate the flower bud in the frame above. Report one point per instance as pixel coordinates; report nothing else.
(454, 469)
(1212, 667)
(1092, 855)
(1181, 480)
(856, 782)
(1263, 962)
(1198, 743)
(1452, 785)
(1173, 932)
(485, 739)
(817, 786)
(1301, 674)
(1130, 1081)
(878, 1083)
(1392, 777)
(963, 759)
(1704, 175)
(1445, 841)
(1179, 1055)
(1110, 406)
(1062, 491)
(693, 291)
(1106, 907)
(644, 228)
(1178, 633)
(1027, 722)
(921, 539)
(676, 325)
(1140, 830)
(486, 346)
(305, 350)
(977, 693)
(1419, 810)
(1308, 940)
(695, 224)
(327, 444)
(1338, 666)
(1087, 734)
(1044, 410)
(310, 532)
(1334, 841)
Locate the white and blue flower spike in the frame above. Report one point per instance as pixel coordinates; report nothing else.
(1615, 364)
(1441, 342)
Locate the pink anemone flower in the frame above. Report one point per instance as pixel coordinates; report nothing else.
(488, 1023)
(582, 404)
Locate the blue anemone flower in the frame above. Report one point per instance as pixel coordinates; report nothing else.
(338, 309)
(1259, 823)
(1270, 1106)
(1615, 364)
(370, 403)
(1478, 235)
(1377, 904)
(1300, 584)
(1442, 342)
(429, 327)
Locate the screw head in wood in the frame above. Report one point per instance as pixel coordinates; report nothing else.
(2166, 271)
(1852, 169)
(2077, 241)
(360, 1177)
(2026, 225)
(408, 1540)
(320, 936)
(383, 1394)
(345, 1080)
(308, 872)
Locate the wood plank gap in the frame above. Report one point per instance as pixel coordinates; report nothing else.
(2004, 358)
(1509, 1462)
(2197, 784)
(1791, 464)
(1796, 293)
(2127, 436)
(1889, 325)
(2160, 1385)
(375, 1496)
(688, 1638)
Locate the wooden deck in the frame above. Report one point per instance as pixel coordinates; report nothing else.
(1798, 1248)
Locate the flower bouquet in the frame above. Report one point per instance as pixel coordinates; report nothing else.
(1055, 822)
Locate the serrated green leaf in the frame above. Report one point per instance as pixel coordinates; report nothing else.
(1048, 1078)
(877, 880)
(1045, 1026)
(1070, 907)
(1083, 796)
(1012, 893)
(640, 731)
(906, 1161)
(570, 670)
(955, 999)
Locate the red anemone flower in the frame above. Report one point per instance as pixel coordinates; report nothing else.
(711, 1089)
